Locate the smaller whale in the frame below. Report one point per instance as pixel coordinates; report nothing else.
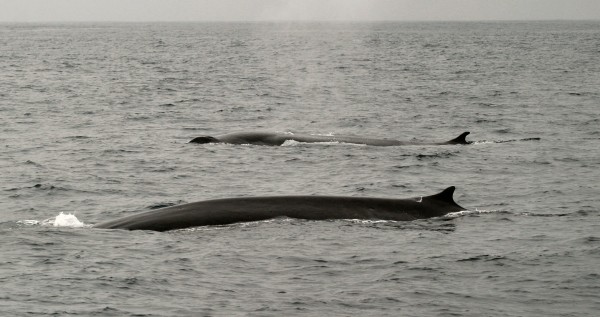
(271, 138)
(244, 209)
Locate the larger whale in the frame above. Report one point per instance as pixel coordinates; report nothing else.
(272, 138)
(244, 209)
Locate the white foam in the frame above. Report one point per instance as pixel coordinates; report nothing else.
(468, 212)
(64, 220)
(482, 142)
(296, 143)
(28, 222)
(326, 134)
(367, 221)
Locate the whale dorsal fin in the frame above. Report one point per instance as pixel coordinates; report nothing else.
(461, 139)
(445, 196)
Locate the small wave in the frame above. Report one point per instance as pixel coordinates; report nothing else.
(46, 187)
(531, 214)
(29, 162)
(51, 189)
(436, 155)
(78, 137)
(530, 139)
(37, 186)
(506, 141)
(483, 257)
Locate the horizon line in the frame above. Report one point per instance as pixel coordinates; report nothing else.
(302, 21)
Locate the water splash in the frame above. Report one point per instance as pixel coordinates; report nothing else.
(64, 220)
(290, 143)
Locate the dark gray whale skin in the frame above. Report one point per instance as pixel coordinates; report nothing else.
(244, 209)
(271, 138)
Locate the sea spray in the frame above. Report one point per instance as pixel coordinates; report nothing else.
(64, 220)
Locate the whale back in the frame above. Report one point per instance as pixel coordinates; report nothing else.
(242, 209)
(271, 138)
(204, 139)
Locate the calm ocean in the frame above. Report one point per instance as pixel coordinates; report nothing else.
(94, 124)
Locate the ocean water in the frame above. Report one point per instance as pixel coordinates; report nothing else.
(95, 120)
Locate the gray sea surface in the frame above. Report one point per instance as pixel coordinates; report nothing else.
(94, 125)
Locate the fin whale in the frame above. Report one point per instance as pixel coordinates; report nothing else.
(245, 209)
(271, 138)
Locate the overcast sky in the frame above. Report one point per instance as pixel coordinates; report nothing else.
(275, 10)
